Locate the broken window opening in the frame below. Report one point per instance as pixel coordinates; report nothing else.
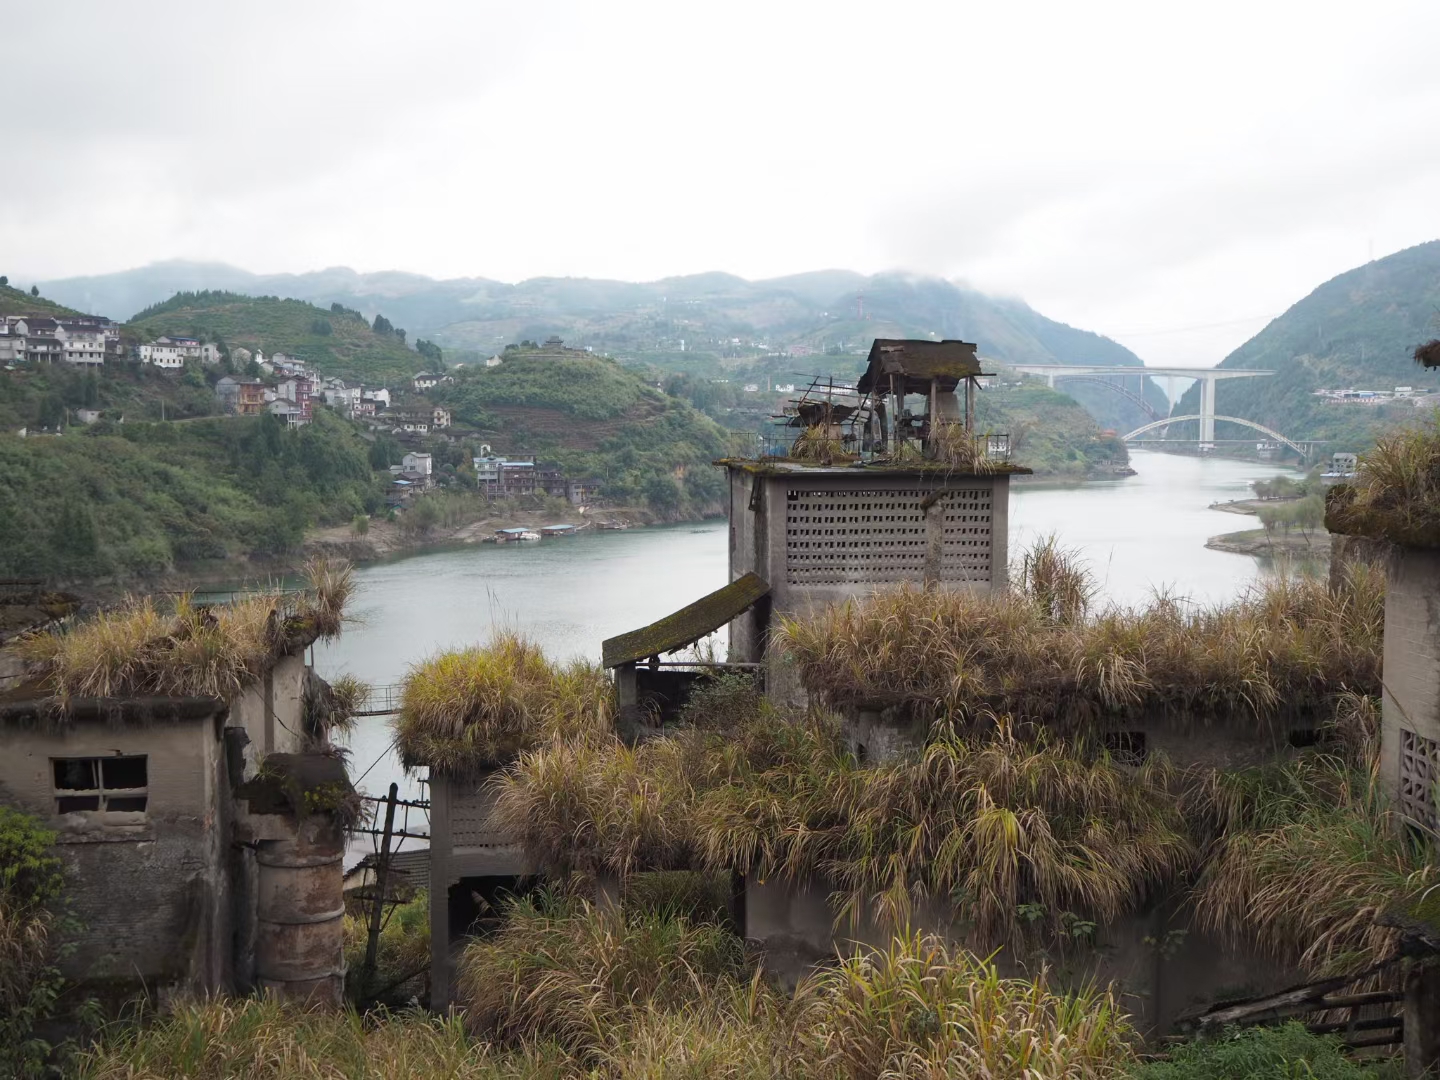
(118, 784)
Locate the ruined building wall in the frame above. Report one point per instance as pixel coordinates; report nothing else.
(148, 888)
(1410, 723)
(1160, 964)
(272, 709)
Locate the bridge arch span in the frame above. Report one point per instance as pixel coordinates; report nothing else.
(1231, 419)
(1098, 380)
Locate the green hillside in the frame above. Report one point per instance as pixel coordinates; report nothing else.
(136, 499)
(19, 302)
(339, 343)
(47, 396)
(705, 325)
(594, 418)
(1358, 330)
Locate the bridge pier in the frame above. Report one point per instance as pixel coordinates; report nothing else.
(1207, 410)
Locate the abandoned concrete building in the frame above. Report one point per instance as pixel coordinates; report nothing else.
(188, 868)
(882, 485)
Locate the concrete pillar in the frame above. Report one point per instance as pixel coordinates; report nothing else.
(1207, 409)
(1410, 703)
(627, 700)
(439, 893)
(1422, 1020)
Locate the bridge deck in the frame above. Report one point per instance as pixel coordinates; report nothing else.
(381, 700)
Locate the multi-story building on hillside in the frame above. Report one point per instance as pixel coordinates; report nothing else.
(419, 416)
(82, 340)
(170, 354)
(298, 390)
(243, 397)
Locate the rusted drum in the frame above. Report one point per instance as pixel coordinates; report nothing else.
(300, 918)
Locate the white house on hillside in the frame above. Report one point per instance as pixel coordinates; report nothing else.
(415, 466)
(170, 354)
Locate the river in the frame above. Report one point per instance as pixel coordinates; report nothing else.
(568, 594)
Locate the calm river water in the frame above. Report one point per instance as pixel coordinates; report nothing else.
(1137, 533)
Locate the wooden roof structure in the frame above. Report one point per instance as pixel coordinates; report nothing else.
(686, 626)
(913, 362)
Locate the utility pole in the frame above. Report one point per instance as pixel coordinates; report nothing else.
(382, 874)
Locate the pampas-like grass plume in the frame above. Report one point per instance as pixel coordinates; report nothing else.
(474, 709)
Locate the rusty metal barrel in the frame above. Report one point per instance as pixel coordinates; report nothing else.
(300, 917)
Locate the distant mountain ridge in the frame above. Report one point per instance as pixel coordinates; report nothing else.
(1358, 330)
(678, 323)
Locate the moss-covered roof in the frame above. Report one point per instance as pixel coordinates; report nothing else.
(688, 625)
(1415, 525)
(911, 363)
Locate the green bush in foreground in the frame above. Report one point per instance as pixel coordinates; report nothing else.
(1272, 1053)
(30, 880)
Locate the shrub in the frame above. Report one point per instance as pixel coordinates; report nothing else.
(1288, 1052)
(361, 525)
(402, 959)
(30, 879)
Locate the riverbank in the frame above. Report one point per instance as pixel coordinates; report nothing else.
(382, 541)
(1276, 545)
(387, 539)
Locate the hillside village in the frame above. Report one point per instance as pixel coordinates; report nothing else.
(289, 387)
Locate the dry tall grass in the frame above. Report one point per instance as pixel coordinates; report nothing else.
(1285, 647)
(563, 972)
(198, 651)
(258, 1039)
(919, 1009)
(478, 708)
(1395, 494)
(994, 825)
(1306, 869)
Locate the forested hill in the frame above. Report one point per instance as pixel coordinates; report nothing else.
(336, 341)
(703, 324)
(20, 302)
(1358, 331)
(597, 419)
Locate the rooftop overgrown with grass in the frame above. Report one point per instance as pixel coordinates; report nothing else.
(1039, 652)
(1395, 494)
(1010, 824)
(1013, 813)
(196, 650)
(474, 709)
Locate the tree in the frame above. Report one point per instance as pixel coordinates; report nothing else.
(4, 280)
(34, 290)
(382, 325)
(1309, 514)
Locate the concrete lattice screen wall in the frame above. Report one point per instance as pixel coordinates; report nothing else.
(819, 536)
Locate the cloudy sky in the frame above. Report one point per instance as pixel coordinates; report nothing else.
(1171, 175)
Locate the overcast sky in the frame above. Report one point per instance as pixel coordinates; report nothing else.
(1171, 175)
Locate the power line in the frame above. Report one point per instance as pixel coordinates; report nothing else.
(1187, 329)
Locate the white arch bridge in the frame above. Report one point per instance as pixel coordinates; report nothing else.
(1206, 377)
(1268, 432)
